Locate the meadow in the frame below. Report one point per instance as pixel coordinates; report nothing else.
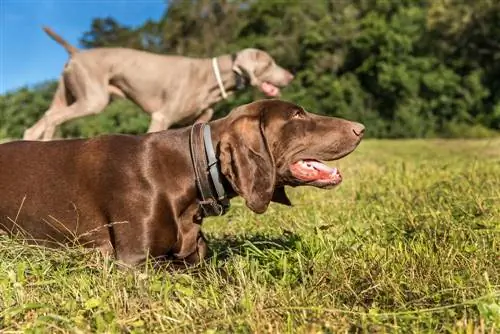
(409, 242)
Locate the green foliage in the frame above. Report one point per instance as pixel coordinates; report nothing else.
(405, 68)
(408, 243)
(20, 109)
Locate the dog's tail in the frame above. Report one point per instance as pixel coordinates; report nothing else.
(70, 48)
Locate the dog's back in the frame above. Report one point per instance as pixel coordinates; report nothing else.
(50, 190)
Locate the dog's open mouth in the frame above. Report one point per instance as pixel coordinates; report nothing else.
(315, 172)
(269, 89)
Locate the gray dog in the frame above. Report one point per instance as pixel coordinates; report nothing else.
(173, 89)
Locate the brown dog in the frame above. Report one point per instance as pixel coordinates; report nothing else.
(134, 196)
(173, 89)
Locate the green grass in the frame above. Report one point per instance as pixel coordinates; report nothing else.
(410, 242)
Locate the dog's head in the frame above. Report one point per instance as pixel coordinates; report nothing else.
(271, 143)
(262, 71)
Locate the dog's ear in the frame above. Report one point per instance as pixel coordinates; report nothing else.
(280, 196)
(246, 63)
(246, 161)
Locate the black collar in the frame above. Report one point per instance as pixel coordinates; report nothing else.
(241, 80)
(207, 172)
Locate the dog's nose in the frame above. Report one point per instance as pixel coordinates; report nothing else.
(290, 76)
(358, 129)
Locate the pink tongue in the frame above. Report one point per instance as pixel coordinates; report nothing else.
(269, 89)
(321, 167)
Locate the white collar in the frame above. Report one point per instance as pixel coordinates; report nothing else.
(215, 67)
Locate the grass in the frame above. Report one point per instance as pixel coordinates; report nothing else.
(410, 242)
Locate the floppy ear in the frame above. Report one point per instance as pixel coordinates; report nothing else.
(280, 197)
(247, 163)
(246, 62)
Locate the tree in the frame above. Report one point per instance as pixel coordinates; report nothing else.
(406, 68)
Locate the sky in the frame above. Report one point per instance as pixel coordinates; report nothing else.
(29, 56)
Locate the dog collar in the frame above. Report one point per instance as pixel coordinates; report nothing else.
(241, 80)
(215, 67)
(207, 172)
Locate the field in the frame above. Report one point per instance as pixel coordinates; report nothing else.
(410, 242)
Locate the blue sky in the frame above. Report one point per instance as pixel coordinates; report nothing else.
(28, 56)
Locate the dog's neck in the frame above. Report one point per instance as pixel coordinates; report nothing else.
(212, 196)
(217, 128)
(230, 79)
(188, 193)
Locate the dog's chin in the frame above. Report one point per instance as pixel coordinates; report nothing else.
(315, 173)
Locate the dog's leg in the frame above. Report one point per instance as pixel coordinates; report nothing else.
(60, 101)
(201, 251)
(89, 94)
(159, 122)
(117, 92)
(76, 110)
(205, 116)
(45, 127)
(48, 134)
(36, 131)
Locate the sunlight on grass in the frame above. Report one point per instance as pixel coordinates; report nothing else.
(409, 242)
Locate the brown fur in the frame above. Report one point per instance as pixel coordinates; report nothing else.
(134, 196)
